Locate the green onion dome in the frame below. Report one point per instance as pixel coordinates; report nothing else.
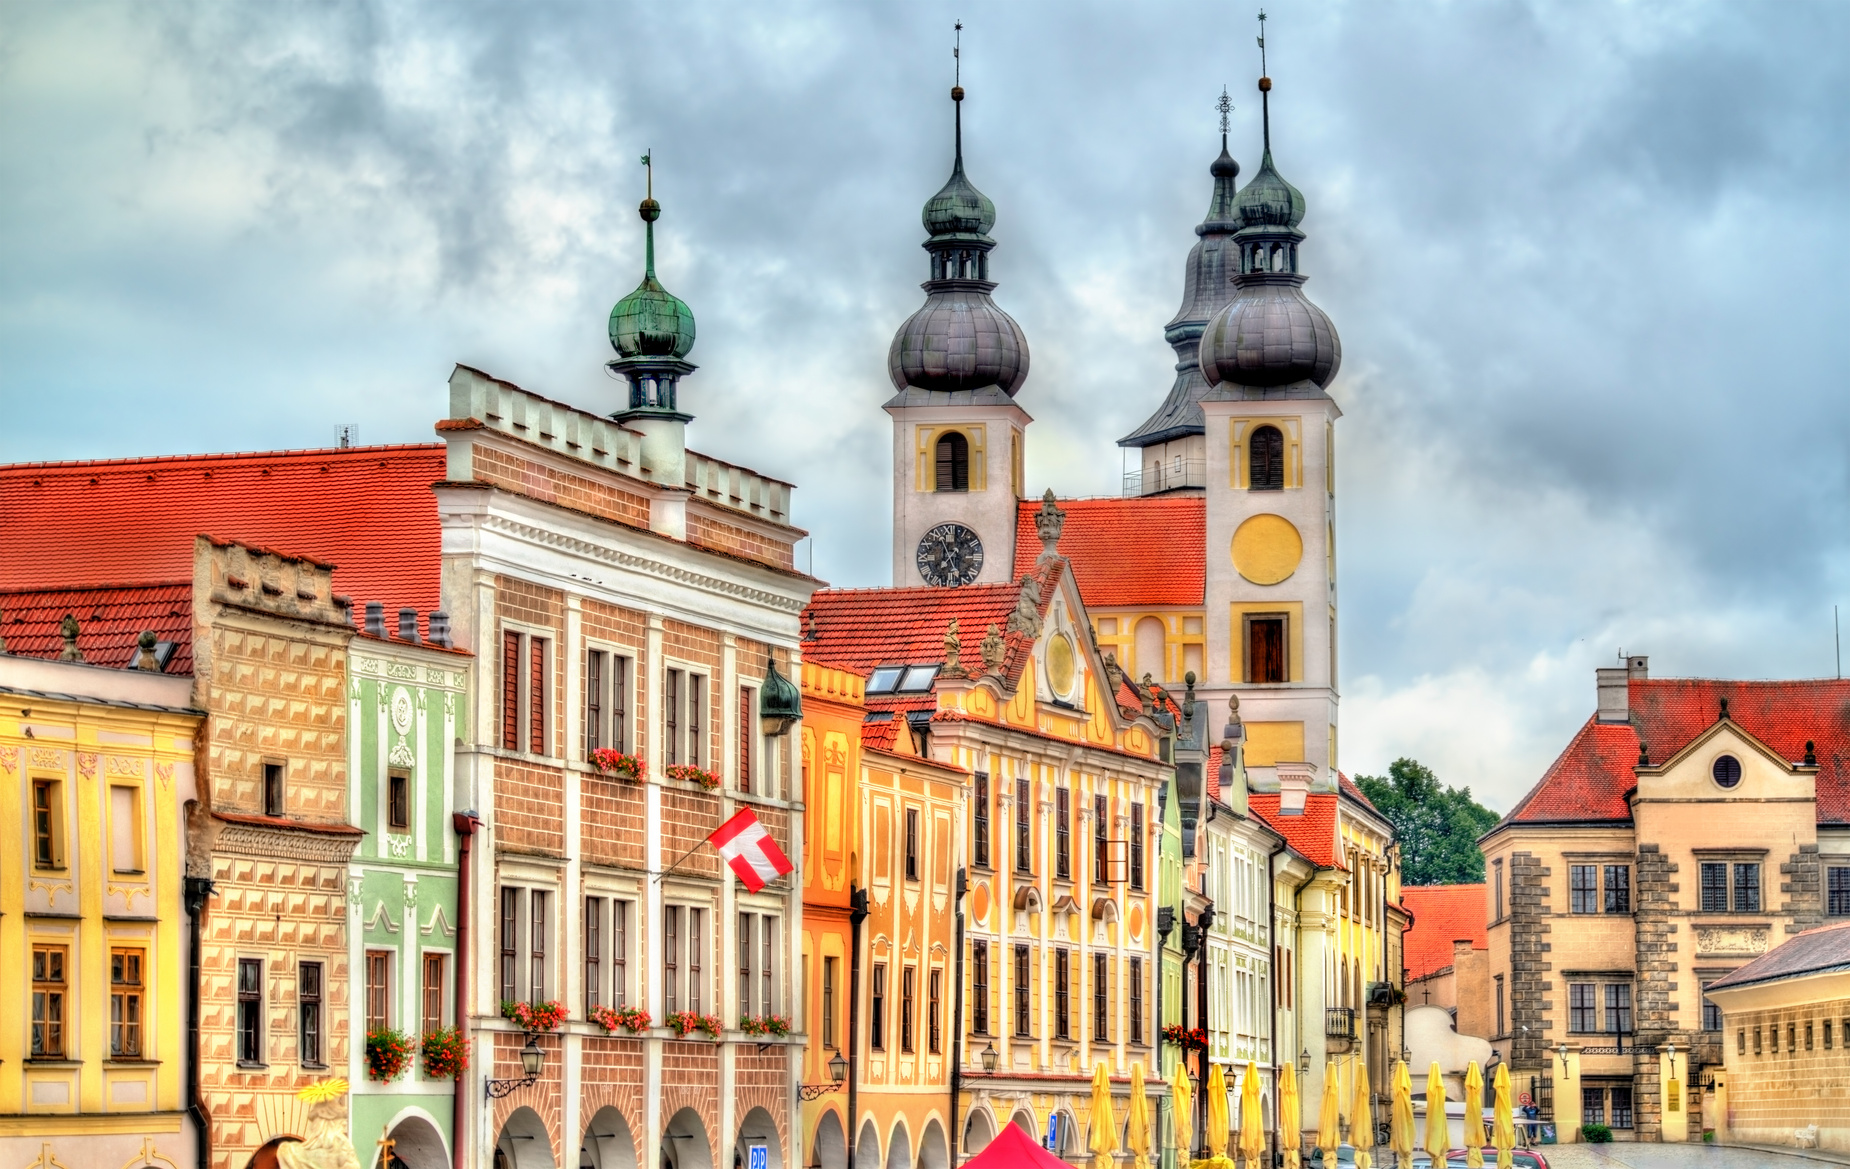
(651, 321)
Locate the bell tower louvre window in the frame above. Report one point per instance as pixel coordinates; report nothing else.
(1266, 457)
(1265, 643)
(952, 470)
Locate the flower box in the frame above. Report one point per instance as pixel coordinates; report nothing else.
(1186, 1038)
(613, 762)
(446, 1053)
(699, 775)
(775, 1025)
(686, 1023)
(635, 1020)
(388, 1054)
(541, 1017)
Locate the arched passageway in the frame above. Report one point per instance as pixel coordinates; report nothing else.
(934, 1152)
(899, 1147)
(417, 1143)
(979, 1130)
(523, 1143)
(685, 1143)
(867, 1146)
(608, 1142)
(758, 1131)
(831, 1151)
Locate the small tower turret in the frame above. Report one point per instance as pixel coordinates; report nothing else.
(652, 331)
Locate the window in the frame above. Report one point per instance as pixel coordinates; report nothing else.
(1582, 1006)
(1714, 887)
(1827, 1035)
(1062, 988)
(1062, 834)
(1502, 1025)
(125, 1003)
(767, 964)
(979, 988)
(1808, 1035)
(620, 703)
(1740, 1041)
(272, 789)
(1024, 833)
(378, 989)
(620, 953)
(1583, 888)
(671, 717)
(671, 960)
(828, 1002)
(510, 691)
(1593, 1105)
(979, 822)
(47, 824)
(1021, 990)
(596, 663)
(1137, 831)
(1711, 1014)
(125, 828)
(1619, 1008)
(876, 1014)
(606, 701)
(1757, 1040)
(934, 1012)
(308, 1013)
(695, 919)
(757, 962)
(1747, 888)
(436, 968)
(594, 952)
(1727, 771)
(748, 731)
(1496, 904)
(951, 471)
(1265, 649)
(1621, 1095)
(1792, 1037)
(510, 943)
(696, 700)
(250, 1012)
(908, 1005)
(912, 844)
(1101, 839)
(1136, 1001)
(1618, 888)
(1101, 1004)
(744, 947)
(1266, 452)
(1837, 891)
(537, 979)
(536, 695)
(398, 800)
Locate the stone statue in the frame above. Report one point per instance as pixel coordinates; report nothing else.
(953, 649)
(1027, 615)
(327, 1145)
(992, 650)
(68, 629)
(1047, 522)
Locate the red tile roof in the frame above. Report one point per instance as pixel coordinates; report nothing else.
(1590, 780)
(1312, 834)
(1211, 777)
(367, 510)
(1819, 950)
(1150, 550)
(1442, 914)
(110, 619)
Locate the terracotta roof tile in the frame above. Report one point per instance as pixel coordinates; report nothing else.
(110, 619)
(1591, 778)
(1211, 777)
(1312, 834)
(367, 510)
(1150, 550)
(1442, 914)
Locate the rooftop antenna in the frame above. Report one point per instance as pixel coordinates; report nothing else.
(347, 434)
(1838, 638)
(1265, 86)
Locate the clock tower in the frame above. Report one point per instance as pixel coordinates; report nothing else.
(957, 432)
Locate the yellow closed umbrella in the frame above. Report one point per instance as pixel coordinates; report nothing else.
(1288, 1135)
(1216, 1135)
(1474, 1117)
(1139, 1135)
(1182, 1100)
(1104, 1135)
(1438, 1133)
(1329, 1116)
(1503, 1123)
(1252, 1121)
(1362, 1120)
(1400, 1123)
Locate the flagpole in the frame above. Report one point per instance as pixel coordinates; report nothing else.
(683, 858)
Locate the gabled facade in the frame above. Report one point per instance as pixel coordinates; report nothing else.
(1690, 826)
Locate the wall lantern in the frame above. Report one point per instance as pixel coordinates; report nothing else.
(989, 1057)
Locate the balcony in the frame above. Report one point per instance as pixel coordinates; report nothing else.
(1167, 476)
(1339, 1024)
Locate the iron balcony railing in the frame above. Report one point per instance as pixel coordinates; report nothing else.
(1339, 1023)
(1167, 476)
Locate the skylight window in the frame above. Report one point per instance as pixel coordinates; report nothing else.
(918, 679)
(884, 679)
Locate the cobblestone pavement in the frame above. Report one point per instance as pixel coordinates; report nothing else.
(1653, 1156)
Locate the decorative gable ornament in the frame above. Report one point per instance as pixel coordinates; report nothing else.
(1048, 523)
(1027, 615)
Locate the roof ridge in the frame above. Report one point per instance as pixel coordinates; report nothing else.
(222, 456)
(93, 588)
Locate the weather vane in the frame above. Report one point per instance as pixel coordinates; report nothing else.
(1262, 42)
(649, 165)
(957, 54)
(1225, 106)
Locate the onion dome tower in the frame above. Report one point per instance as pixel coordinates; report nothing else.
(959, 339)
(1207, 285)
(1269, 335)
(652, 331)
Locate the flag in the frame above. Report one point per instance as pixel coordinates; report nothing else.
(749, 849)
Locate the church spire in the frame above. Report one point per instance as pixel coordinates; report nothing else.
(651, 329)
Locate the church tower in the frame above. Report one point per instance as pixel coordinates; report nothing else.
(1268, 425)
(957, 432)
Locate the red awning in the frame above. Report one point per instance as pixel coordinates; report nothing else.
(1014, 1149)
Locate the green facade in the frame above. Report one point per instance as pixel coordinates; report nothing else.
(1169, 876)
(405, 712)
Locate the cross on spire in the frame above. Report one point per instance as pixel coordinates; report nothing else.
(648, 163)
(1225, 106)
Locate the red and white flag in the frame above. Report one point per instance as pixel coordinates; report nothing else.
(749, 849)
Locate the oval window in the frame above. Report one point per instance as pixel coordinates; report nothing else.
(1727, 771)
(1061, 669)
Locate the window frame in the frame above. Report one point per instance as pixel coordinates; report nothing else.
(51, 990)
(1024, 971)
(433, 994)
(979, 820)
(1101, 1001)
(830, 964)
(398, 799)
(1135, 1001)
(908, 1007)
(1837, 891)
(1714, 894)
(127, 829)
(1062, 993)
(310, 997)
(1062, 834)
(1136, 845)
(378, 988)
(1024, 827)
(1583, 888)
(1250, 623)
(876, 1009)
(275, 790)
(48, 836)
(251, 1050)
(127, 966)
(934, 1011)
(528, 696)
(979, 988)
(1616, 894)
(593, 947)
(1746, 897)
(1583, 1017)
(1101, 839)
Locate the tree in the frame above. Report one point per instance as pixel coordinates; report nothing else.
(1438, 826)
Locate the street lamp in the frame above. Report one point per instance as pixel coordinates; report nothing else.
(1304, 1062)
(532, 1059)
(838, 1071)
(989, 1057)
(838, 1068)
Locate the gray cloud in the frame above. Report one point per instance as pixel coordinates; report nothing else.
(1586, 261)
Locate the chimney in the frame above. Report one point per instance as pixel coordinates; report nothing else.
(375, 618)
(1638, 666)
(1613, 686)
(440, 629)
(408, 625)
(1294, 780)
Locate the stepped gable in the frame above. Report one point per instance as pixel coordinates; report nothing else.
(369, 510)
(1592, 778)
(1313, 833)
(110, 620)
(1140, 551)
(1442, 914)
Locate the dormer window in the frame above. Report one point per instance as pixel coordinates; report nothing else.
(952, 471)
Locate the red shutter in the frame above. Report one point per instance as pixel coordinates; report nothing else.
(510, 691)
(536, 684)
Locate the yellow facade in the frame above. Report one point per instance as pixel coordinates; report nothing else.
(1165, 643)
(95, 766)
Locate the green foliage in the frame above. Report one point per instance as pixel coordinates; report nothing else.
(1596, 1134)
(1438, 826)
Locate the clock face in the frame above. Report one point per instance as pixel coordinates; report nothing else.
(950, 554)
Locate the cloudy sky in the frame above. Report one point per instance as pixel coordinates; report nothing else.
(1585, 261)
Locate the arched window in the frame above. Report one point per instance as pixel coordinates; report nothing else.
(953, 471)
(1265, 453)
